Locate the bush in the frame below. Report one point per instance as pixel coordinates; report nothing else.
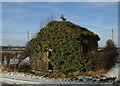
(105, 59)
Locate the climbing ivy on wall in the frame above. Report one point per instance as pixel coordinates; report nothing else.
(64, 39)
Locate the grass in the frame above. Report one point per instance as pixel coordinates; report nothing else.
(25, 70)
(56, 74)
(6, 68)
(13, 69)
(78, 73)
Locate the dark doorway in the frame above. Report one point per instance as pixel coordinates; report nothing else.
(50, 67)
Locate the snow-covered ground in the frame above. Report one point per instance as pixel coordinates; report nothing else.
(25, 61)
(22, 78)
(115, 71)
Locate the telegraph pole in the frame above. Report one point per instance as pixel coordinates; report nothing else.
(112, 35)
(28, 35)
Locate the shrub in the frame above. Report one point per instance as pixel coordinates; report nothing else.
(105, 59)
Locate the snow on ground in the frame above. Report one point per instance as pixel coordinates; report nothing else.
(25, 61)
(114, 72)
(21, 78)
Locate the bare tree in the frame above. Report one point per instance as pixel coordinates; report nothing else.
(45, 21)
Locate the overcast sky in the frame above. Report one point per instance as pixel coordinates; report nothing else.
(21, 17)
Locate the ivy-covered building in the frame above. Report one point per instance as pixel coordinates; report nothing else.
(60, 45)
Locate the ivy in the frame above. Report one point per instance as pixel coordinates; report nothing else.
(61, 37)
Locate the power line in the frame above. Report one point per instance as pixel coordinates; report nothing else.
(13, 40)
(17, 33)
(105, 29)
(35, 32)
